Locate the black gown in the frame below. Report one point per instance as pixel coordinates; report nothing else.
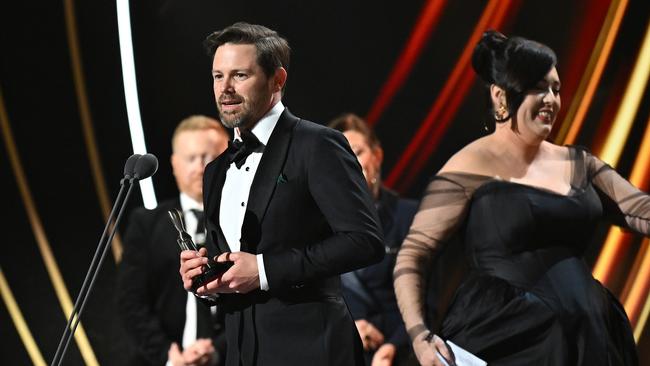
(529, 298)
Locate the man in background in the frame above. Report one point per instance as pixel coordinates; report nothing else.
(166, 325)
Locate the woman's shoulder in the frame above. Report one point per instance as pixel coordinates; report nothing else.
(560, 151)
(479, 157)
(471, 159)
(469, 168)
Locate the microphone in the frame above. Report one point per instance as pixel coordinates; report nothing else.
(145, 167)
(129, 167)
(136, 167)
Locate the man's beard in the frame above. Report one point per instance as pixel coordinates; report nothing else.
(247, 116)
(237, 119)
(232, 121)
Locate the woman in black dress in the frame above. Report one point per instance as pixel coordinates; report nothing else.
(525, 209)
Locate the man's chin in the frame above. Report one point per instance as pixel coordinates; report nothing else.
(231, 121)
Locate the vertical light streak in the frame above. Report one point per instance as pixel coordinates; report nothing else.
(636, 300)
(39, 233)
(19, 322)
(131, 96)
(582, 100)
(613, 148)
(86, 120)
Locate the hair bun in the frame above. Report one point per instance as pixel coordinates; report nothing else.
(488, 49)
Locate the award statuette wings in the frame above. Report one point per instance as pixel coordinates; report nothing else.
(212, 269)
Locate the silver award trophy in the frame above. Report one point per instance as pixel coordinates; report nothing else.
(212, 269)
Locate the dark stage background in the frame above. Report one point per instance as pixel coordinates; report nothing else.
(65, 128)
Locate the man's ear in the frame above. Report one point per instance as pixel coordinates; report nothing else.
(279, 79)
(174, 161)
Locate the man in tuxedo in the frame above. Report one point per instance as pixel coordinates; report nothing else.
(167, 325)
(288, 205)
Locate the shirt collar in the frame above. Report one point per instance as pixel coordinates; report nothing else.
(266, 124)
(188, 203)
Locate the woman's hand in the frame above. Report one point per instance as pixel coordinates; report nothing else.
(428, 346)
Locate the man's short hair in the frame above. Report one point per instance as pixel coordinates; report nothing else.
(195, 123)
(272, 50)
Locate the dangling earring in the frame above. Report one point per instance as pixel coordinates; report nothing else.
(501, 114)
(376, 180)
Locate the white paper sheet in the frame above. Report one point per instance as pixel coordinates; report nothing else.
(463, 357)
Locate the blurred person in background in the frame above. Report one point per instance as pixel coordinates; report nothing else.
(369, 291)
(165, 323)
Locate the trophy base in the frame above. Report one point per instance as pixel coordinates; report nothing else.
(211, 271)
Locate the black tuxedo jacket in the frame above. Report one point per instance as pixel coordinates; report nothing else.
(310, 214)
(150, 296)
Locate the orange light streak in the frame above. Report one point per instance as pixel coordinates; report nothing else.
(582, 100)
(613, 147)
(461, 67)
(419, 36)
(639, 292)
(639, 281)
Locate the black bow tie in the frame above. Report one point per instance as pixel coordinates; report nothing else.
(240, 149)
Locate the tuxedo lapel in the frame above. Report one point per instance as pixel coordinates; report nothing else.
(266, 179)
(213, 179)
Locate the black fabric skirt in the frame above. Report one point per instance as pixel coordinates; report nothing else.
(565, 318)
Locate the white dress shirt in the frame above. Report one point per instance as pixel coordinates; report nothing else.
(234, 196)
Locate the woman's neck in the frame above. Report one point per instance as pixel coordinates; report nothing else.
(514, 145)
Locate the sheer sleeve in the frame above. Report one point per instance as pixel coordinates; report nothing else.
(627, 205)
(441, 212)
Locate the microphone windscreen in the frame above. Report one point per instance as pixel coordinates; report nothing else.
(146, 166)
(129, 166)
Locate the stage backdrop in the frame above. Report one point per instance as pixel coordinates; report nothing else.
(404, 66)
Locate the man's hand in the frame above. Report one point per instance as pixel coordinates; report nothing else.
(371, 337)
(191, 263)
(199, 353)
(384, 355)
(175, 356)
(242, 277)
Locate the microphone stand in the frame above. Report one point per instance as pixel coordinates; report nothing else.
(95, 266)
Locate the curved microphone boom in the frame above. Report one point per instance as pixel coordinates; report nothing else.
(136, 167)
